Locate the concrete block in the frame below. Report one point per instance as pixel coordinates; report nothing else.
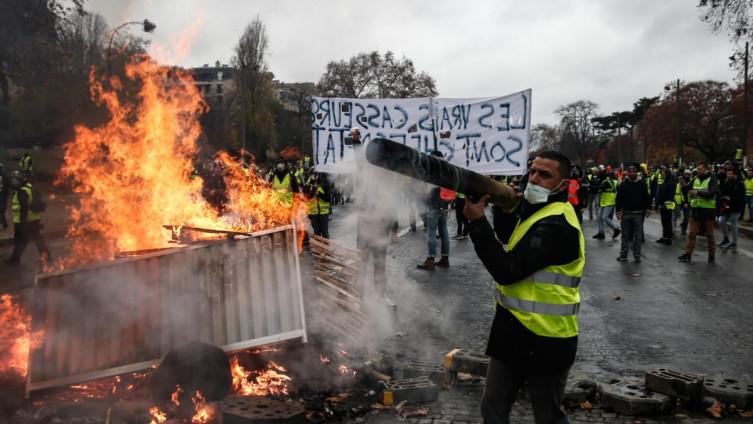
(687, 387)
(629, 397)
(459, 360)
(259, 409)
(411, 390)
(730, 390)
(435, 372)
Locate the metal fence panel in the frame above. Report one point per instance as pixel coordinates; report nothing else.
(125, 315)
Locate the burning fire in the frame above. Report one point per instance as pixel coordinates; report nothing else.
(157, 416)
(175, 396)
(133, 173)
(259, 383)
(204, 411)
(15, 331)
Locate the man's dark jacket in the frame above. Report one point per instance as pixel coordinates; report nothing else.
(632, 196)
(550, 241)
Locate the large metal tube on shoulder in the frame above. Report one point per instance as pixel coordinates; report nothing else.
(402, 159)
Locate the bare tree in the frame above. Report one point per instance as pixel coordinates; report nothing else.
(544, 137)
(255, 89)
(577, 138)
(372, 75)
(733, 16)
(84, 37)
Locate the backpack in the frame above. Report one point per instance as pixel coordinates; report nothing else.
(37, 202)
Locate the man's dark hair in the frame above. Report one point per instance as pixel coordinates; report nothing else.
(562, 160)
(702, 162)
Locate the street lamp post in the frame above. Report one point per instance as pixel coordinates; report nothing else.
(679, 127)
(744, 144)
(146, 26)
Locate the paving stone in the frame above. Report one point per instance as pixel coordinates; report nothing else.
(687, 387)
(737, 391)
(629, 397)
(412, 390)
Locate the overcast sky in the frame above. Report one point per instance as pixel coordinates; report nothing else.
(608, 51)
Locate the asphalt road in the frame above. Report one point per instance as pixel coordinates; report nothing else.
(634, 316)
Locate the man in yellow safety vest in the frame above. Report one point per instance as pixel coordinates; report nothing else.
(318, 204)
(702, 195)
(534, 334)
(748, 182)
(26, 215)
(284, 182)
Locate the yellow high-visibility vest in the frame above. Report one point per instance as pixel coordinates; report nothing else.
(283, 188)
(700, 202)
(547, 301)
(609, 197)
(16, 206)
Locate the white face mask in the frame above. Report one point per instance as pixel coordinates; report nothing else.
(536, 194)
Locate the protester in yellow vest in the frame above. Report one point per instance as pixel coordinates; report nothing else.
(703, 211)
(284, 183)
(318, 204)
(534, 334)
(25, 165)
(607, 198)
(748, 181)
(26, 214)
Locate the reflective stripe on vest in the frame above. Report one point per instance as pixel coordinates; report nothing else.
(609, 197)
(16, 206)
(749, 187)
(700, 202)
(553, 278)
(547, 301)
(537, 307)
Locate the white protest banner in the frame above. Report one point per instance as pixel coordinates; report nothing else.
(486, 135)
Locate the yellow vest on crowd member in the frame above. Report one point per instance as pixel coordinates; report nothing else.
(678, 194)
(16, 206)
(609, 197)
(283, 188)
(25, 163)
(748, 187)
(700, 202)
(547, 301)
(317, 206)
(460, 195)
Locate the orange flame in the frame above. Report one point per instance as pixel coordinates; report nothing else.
(175, 396)
(15, 331)
(204, 412)
(133, 173)
(259, 383)
(157, 416)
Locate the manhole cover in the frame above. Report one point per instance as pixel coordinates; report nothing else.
(258, 409)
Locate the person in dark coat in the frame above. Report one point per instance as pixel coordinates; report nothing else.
(633, 206)
(665, 201)
(732, 205)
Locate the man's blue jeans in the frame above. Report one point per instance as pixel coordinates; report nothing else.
(730, 219)
(605, 217)
(436, 219)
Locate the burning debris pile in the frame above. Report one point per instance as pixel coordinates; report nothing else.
(135, 173)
